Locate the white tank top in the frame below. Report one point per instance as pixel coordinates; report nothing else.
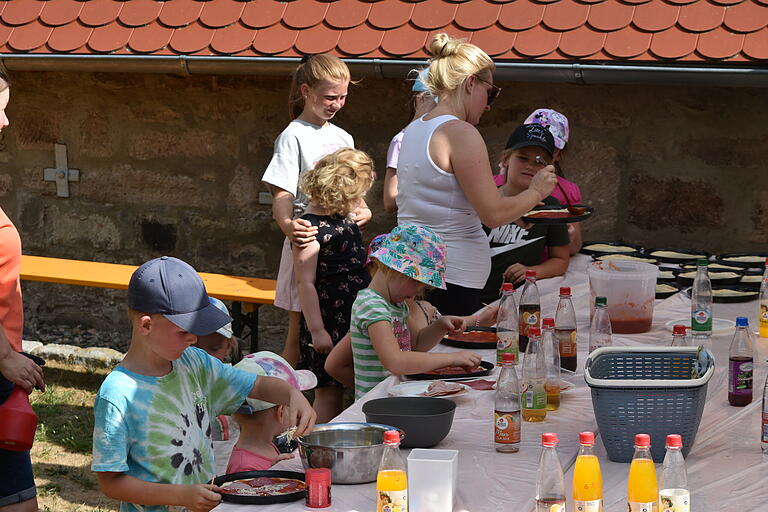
(429, 196)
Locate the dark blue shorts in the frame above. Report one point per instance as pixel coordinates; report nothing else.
(16, 481)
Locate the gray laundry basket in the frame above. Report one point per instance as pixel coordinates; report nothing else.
(647, 390)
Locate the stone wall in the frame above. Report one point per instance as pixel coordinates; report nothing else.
(172, 165)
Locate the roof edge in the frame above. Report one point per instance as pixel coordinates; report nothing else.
(576, 73)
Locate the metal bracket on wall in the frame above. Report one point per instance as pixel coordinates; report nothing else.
(61, 175)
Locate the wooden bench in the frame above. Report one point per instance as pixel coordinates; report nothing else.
(247, 293)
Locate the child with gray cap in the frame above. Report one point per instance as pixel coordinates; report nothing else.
(151, 437)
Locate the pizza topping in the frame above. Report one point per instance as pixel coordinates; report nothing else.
(475, 337)
(442, 388)
(455, 370)
(263, 486)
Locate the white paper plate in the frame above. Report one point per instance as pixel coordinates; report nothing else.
(720, 326)
(417, 387)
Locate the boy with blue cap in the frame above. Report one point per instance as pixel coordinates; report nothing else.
(151, 438)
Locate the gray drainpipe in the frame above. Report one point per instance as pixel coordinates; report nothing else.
(395, 68)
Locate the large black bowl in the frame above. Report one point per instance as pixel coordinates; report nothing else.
(426, 421)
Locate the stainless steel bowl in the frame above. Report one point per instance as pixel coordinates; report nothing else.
(352, 451)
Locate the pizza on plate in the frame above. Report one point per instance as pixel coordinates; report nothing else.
(455, 370)
(474, 337)
(263, 486)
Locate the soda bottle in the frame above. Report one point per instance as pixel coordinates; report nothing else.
(507, 325)
(740, 365)
(552, 360)
(565, 329)
(764, 428)
(391, 480)
(530, 308)
(701, 301)
(506, 436)
(587, 479)
(764, 303)
(642, 490)
(679, 338)
(600, 328)
(534, 376)
(673, 483)
(550, 487)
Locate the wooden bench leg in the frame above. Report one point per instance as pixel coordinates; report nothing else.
(246, 315)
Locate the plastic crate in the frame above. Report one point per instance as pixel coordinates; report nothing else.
(647, 390)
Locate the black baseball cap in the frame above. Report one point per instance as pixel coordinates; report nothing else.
(172, 288)
(531, 135)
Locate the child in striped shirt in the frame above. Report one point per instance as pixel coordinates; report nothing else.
(410, 258)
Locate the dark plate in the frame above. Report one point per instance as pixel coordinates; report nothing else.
(753, 284)
(670, 259)
(559, 220)
(721, 258)
(666, 295)
(431, 376)
(591, 252)
(261, 500)
(688, 267)
(687, 281)
(458, 343)
(740, 298)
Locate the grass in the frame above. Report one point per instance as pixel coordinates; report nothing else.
(61, 455)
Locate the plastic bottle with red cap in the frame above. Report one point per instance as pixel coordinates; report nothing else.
(506, 415)
(550, 485)
(529, 312)
(318, 487)
(679, 336)
(552, 360)
(507, 327)
(674, 493)
(587, 478)
(642, 487)
(391, 480)
(741, 365)
(534, 394)
(565, 329)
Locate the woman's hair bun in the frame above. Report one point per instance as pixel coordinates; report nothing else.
(443, 45)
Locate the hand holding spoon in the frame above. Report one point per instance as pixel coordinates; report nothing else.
(573, 210)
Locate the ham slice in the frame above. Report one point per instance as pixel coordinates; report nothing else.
(480, 384)
(442, 388)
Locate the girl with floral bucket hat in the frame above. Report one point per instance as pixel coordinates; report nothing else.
(410, 258)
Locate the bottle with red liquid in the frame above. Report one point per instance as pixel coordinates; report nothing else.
(530, 308)
(565, 330)
(740, 365)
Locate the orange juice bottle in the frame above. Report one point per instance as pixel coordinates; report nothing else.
(391, 481)
(587, 479)
(642, 487)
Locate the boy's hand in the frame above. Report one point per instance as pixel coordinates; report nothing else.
(302, 232)
(321, 342)
(300, 413)
(201, 497)
(466, 359)
(452, 324)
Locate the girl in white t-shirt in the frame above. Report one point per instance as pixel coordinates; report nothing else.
(318, 92)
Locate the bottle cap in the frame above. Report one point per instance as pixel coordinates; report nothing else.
(642, 441)
(534, 331)
(701, 262)
(508, 357)
(549, 439)
(548, 323)
(587, 438)
(741, 321)
(507, 287)
(601, 301)
(565, 290)
(391, 436)
(674, 441)
(530, 273)
(679, 329)
(318, 475)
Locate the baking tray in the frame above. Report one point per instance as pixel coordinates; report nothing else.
(261, 500)
(459, 343)
(487, 367)
(695, 255)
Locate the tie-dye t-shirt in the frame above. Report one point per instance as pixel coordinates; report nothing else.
(158, 429)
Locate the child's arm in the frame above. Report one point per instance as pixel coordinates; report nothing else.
(119, 486)
(340, 363)
(405, 363)
(556, 265)
(305, 269)
(299, 231)
(430, 335)
(362, 214)
(278, 391)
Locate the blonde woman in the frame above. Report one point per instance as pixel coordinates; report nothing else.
(329, 271)
(444, 175)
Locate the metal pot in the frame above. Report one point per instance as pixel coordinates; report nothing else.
(352, 451)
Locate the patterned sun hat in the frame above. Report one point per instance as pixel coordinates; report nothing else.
(269, 364)
(555, 121)
(373, 246)
(414, 251)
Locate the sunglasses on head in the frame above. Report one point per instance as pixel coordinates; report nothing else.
(493, 92)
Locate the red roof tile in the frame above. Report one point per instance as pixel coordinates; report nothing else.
(688, 31)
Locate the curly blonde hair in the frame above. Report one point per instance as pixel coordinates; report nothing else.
(453, 61)
(339, 180)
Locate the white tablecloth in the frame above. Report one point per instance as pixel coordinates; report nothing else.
(725, 467)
